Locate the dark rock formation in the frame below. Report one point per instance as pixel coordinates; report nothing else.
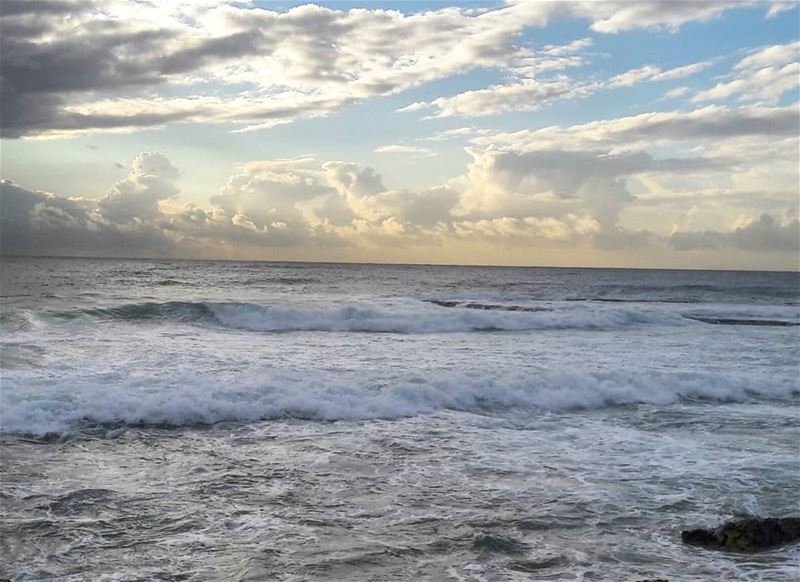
(746, 535)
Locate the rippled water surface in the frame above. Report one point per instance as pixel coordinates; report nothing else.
(250, 421)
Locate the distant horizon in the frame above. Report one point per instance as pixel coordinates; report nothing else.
(388, 264)
(639, 134)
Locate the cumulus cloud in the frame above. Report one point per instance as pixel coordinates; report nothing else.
(294, 203)
(361, 190)
(586, 187)
(151, 180)
(556, 195)
(111, 65)
(259, 207)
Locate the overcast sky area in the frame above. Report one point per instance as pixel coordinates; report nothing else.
(653, 133)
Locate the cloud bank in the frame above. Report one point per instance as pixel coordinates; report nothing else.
(521, 194)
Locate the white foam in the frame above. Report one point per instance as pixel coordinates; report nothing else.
(33, 405)
(429, 319)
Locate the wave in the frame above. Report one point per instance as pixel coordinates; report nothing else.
(485, 306)
(405, 319)
(735, 321)
(757, 315)
(34, 406)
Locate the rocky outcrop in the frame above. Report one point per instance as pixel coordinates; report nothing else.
(746, 535)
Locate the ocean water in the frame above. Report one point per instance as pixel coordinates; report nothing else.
(192, 420)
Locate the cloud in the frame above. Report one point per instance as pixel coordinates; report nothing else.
(543, 184)
(151, 180)
(653, 73)
(525, 95)
(568, 229)
(764, 234)
(763, 76)
(110, 65)
(615, 171)
(403, 149)
(530, 94)
(38, 223)
(619, 16)
(71, 72)
(707, 123)
(259, 207)
(510, 198)
(676, 92)
(362, 192)
(292, 203)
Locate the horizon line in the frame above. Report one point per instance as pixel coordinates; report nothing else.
(392, 264)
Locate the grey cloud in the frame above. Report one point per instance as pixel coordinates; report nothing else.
(716, 124)
(765, 234)
(34, 223)
(232, 46)
(709, 123)
(42, 7)
(38, 78)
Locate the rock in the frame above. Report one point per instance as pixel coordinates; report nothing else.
(746, 535)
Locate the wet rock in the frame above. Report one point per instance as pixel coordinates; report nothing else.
(746, 535)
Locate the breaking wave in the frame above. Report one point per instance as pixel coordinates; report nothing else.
(435, 316)
(420, 318)
(30, 407)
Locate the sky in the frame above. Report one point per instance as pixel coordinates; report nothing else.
(651, 133)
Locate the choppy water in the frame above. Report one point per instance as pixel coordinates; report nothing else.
(250, 421)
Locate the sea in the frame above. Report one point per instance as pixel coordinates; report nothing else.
(201, 420)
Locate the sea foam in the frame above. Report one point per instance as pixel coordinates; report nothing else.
(31, 407)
